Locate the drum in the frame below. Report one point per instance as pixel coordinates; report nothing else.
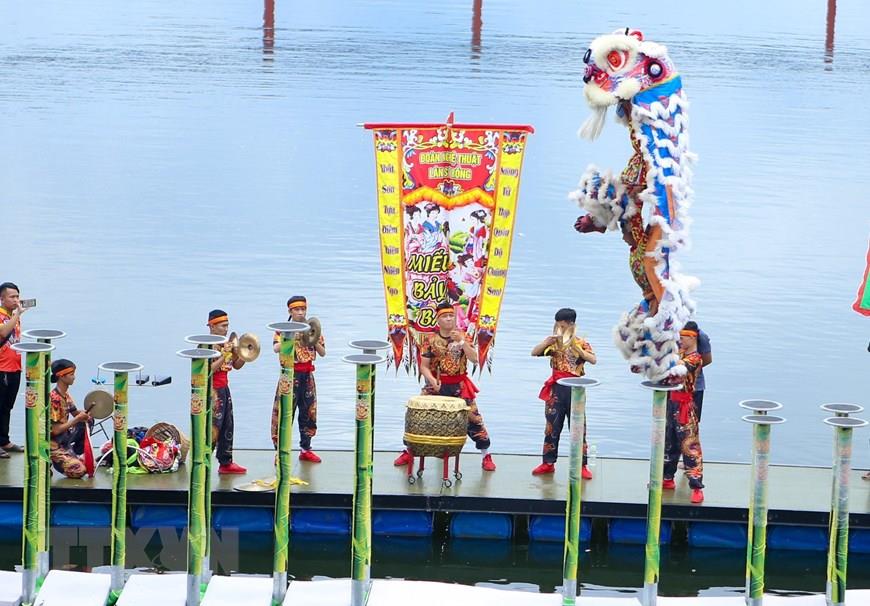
(435, 425)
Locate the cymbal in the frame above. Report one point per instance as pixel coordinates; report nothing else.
(249, 347)
(99, 404)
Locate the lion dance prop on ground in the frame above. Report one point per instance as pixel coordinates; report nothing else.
(650, 199)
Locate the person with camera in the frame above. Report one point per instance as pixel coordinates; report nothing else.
(304, 388)
(11, 309)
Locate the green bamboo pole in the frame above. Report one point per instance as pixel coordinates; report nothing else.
(196, 497)
(361, 532)
(209, 412)
(361, 546)
(573, 502)
(652, 556)
(287, 357)
(838, 542)
(34, 400)
(45, 336)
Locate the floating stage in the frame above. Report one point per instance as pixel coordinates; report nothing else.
(504, 504)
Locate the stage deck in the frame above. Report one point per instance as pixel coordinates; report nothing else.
(797, 495)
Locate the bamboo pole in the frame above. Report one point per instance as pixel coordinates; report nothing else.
(121, 372)
(838, 541)
(196, 500)
(361, 532)
(44, 335)
(652, 553)
(756, 538)
(573, 502)
(286, 357)
(34, 401)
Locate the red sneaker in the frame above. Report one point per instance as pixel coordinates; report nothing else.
(487, 463)
(669, 484)
(543, 468)
(585, 473)
(403, 459)
(309, 455)
(697, 495)
(232, 468)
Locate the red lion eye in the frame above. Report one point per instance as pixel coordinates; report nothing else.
(616, 59)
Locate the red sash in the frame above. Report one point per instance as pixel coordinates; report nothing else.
(467, 389)
(547, 389)
(303, 367)
(686, 402)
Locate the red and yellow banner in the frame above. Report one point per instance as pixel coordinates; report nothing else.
(447, 199)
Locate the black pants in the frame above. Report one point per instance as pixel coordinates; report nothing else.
(222, 425)
(699, 402)
(557, 411)
(9, 383)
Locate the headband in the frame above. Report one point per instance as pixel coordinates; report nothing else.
(688, 333)
(297, 304)
(444, 310)
(64, 371)
(218, 320)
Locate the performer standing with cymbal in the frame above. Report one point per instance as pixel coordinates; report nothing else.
(222, 414)
(445, 354)
(304, 388)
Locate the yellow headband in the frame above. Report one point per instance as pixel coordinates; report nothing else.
(297, 304)
(688, 333)
(444, 310)
(218, 320)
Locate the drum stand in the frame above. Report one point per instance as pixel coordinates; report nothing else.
(445, 480)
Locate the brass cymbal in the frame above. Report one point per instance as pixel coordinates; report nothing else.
(248, 348)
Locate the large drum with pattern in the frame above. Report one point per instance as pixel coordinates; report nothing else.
(435, 425)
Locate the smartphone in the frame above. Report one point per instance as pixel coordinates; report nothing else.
(28, 303)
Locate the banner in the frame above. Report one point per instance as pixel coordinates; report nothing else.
(862, 301)
(447, 200)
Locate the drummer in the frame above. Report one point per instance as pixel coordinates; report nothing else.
(68, 424)
(568, 354)
(304, 388)
(222, 414)
(444, 364)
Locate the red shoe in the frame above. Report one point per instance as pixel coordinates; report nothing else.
(697, 495)
(232, 468)
(309, 455)
(543, 468)
(669, 484)
(487, 463)
(403, 459)
(587, 475)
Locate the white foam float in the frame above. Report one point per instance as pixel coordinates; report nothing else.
(10, 588)
(67, 588)
(150, 589)
(231, 591)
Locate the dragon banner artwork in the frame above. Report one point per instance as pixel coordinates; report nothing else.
(649, 200)
(447, 199)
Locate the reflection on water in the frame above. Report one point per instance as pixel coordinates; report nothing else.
(163, 159)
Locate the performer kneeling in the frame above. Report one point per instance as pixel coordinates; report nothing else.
(568, 354)
(445, 354)
(222, 424)
(68, 424)
(304, 389)
(681, 432)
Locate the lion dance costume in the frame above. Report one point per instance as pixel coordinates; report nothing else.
(649, 200)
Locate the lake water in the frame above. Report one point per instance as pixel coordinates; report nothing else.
(160, 159)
